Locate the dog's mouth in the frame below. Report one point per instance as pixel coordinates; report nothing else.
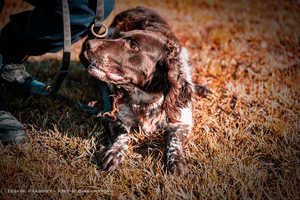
(104, 75)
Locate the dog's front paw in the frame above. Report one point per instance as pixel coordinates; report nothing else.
(176, 164)
(113, 157)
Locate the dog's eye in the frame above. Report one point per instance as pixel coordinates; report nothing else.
(133, 46)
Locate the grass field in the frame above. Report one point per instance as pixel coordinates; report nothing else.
(245, 141)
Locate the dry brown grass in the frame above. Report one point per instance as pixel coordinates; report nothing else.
(245, 142)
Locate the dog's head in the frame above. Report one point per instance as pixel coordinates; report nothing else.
(131, 59)
(144, 61)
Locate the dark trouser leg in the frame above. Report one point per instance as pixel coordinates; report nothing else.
(11, 130)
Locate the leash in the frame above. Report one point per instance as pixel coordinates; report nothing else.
(98, 20)
(64, 69)
(94, 34)
(95, 28)
(51, 90)
(109, 110)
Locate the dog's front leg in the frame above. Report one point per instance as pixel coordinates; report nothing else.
(176, 140)
(112, 157)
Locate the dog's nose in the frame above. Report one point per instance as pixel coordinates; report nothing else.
(91, 44)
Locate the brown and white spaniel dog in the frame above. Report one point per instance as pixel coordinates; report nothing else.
(149, 75)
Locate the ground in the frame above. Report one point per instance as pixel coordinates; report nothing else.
(245, 141)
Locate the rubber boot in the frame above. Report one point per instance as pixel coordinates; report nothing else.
(11, 130)
(13, 73)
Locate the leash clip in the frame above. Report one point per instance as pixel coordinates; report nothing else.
(96, 34)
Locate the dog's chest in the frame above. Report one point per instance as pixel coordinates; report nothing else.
(150, 117)
(151, 122)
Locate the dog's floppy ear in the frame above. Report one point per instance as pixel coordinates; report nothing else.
(179, 91)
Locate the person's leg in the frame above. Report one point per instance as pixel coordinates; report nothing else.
(35, 33)
(13, 74)
(11, 130)
(40, 31)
